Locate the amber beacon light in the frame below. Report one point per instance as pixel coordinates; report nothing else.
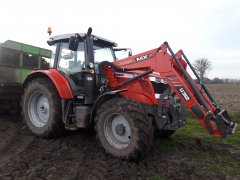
(49, 31)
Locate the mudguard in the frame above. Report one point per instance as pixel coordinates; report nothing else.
(60, 82)
(103, 98)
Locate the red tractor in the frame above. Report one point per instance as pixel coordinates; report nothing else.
(127, 101)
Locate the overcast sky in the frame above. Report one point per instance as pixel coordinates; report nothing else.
(202, 28)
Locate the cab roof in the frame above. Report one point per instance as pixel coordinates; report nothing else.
(54, 39)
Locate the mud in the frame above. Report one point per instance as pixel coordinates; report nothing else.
(77, 155)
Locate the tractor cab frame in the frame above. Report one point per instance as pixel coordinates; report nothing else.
(77, 57)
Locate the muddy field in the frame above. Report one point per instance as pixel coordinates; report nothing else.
(77, 154)
(226, 95)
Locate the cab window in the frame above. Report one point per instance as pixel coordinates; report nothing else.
(70, 63)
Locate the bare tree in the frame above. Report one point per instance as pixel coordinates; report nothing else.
(202, 66)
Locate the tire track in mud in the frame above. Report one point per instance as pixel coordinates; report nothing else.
(97, 164)
(8, 133)
(78, 156)
(93, 165)
(12, 141)
(55, 158)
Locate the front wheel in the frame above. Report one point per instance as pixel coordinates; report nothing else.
(123, 128)
(42, 108)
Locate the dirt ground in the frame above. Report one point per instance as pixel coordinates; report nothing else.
(77, 155)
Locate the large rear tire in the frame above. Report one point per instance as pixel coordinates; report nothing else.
(42, 108)
(124, 128)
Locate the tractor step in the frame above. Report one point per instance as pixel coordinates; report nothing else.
(71, 127)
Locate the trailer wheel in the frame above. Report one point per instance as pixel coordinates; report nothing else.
(124, 129)
(42, 108)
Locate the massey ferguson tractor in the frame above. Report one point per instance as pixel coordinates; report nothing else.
(127, 101)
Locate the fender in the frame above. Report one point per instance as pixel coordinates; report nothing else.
(60, 82)
(139, 97)
(101, 99)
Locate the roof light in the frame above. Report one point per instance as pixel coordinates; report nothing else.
(49, 31)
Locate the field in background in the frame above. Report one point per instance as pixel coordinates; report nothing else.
(226, 95)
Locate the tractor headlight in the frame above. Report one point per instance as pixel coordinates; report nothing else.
(91, 65)
(157, 80)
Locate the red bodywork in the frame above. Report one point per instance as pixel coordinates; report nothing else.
(164, 67)
(60, 82)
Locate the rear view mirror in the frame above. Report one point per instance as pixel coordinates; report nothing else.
(121, 53)
(129, 52)
(73, 43)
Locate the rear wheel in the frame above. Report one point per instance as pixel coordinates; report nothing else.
(42, 108)
(123, 128)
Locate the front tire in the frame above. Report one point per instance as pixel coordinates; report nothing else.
(124, 128)
(42, 108)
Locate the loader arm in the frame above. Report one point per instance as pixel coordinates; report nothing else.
(164, 64)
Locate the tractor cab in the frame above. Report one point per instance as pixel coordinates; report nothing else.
(77, 57)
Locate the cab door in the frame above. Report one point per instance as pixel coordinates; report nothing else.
(70, 64)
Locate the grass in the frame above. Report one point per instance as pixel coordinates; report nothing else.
(215, 162)
(203, 150)
(158, 178)
(193, 129)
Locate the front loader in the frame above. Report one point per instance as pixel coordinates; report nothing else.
(127, 101)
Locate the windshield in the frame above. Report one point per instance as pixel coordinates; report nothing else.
(74, 61)
(102, 53)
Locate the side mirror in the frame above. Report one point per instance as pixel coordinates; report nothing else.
(122, 52)
(73, 43)
(129, 52)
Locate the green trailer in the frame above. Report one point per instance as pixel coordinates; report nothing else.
(17, 60)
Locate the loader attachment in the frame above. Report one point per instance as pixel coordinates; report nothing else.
(200, 102)
(224, 124)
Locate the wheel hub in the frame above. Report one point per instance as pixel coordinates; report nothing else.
(39, 109)
(43, 109)
(120, 129)
(117, 130)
